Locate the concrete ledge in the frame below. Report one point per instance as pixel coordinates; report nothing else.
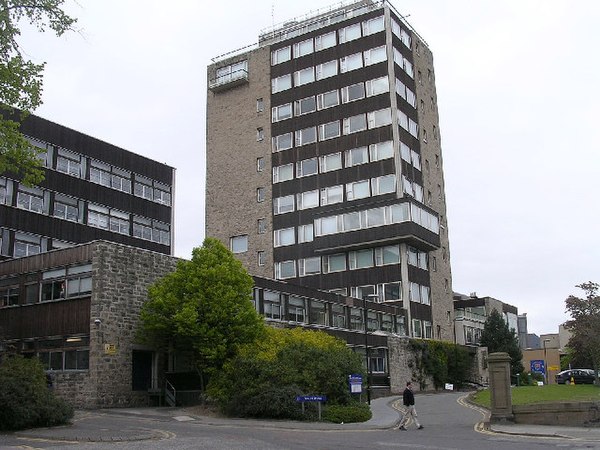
(572, 414)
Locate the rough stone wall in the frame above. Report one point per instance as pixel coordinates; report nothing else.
(120, 281)
(401, 360)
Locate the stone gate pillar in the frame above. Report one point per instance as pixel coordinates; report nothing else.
(499, 370)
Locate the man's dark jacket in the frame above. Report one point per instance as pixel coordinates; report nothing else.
(407, 397)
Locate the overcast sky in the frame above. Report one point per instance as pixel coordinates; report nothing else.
(518, 92)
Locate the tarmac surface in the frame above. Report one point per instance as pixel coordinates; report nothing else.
(101, 426)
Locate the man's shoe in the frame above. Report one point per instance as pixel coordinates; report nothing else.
(402, 428)
(420, 427)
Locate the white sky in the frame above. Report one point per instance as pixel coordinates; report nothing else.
(518, 92)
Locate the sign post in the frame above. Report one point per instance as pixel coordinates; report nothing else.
(312, 398)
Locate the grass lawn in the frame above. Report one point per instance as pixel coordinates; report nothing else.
(527, 395)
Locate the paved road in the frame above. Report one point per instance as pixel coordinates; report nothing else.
(449, 424)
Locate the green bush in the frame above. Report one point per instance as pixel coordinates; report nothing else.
(25, 398)
(355, 412)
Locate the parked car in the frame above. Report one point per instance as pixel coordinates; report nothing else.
(579, 376)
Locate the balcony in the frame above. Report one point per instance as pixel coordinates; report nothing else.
(228, 81)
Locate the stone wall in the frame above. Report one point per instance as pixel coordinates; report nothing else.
(571, 414)
(120, 281)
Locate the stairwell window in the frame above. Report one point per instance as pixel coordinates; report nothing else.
(239, 244)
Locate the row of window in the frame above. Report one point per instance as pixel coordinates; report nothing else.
(421, 329)
(327, 40)
(375, 217)
(65, 359)
(80, 166)
(277, 306)
(329, 99)
(56, 284)
(385, 292)
(26, 244)
(335, 194)
(343, 65)
(58, 205)
(330, 130)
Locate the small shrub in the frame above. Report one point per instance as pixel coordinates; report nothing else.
(273, 402)
(355, 412)
(25, 398)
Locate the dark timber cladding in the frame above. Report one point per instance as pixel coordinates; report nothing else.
(92, 190)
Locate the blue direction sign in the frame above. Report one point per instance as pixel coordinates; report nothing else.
(538, 366)
(311, 398)
(355, 381)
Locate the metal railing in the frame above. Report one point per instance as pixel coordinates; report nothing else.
(170, 394)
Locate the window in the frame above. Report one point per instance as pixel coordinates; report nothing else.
(272, 305)
(324, 41)
(379, 118)
(260, 105)
(383, 185)
(349, 33)
(304, 76)
(360, 259)
(309, 266)
(328, 99)
(232, 72)
(281, 55)
(284, 237)
(69, 163)
(353, 92)
(281, 112)
(326, 225)
(303, 48)
(330, 162)
(309, 199)
(260, 134)
(375, 217)
(413, 128)
(306, 136)
(297, 309)
(26, 245)
(332, 194)
(285, 269)
(260, 164)
(377, 86)
(417, 330)
(100, 173)
(3, 192)
(151, 230)
(357, 190)
(305, 105)
(98, 217)
(415, 292)
(281, 83)
(326, 70)
(305, 233)
(329, 130)
(261, 225)
(381, 150)
(338, 315)
(371, 26)
(9, 296)
(306, 167)
(351, 221)
(66, 208)
(239, 244)
(260, 194)
(351, 62)
(282, 205)
(318, 313)
(400, 89)
(390, 292)
(375, 55)
(387, 255)
(119, 222)
(31, 199)
(334, 263)
(261, 257)
(355, 123)
(282, 142)
(356, 156)
(283, 173)
(411, 98)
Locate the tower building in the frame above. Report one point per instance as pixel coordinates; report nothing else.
(324, 163)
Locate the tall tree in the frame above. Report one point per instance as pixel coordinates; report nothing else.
(203, 309)
(21, 81)
(497, 337)
(585, 325)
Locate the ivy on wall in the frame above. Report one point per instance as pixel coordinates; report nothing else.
(442, 362)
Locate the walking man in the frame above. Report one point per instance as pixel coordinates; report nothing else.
(408, 399)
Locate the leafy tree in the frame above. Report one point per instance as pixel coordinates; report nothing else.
(585, 325)
(203, 308)
(444, 362)
(25, 398)
(497, 337)
(21, 81)
(266, 376)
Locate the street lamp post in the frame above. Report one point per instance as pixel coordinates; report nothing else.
(366, 320)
